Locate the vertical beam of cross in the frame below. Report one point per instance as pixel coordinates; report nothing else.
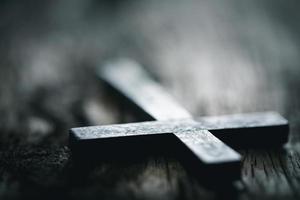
(129, 79)
(202, 146)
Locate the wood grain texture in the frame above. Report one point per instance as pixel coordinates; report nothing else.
(216, 57)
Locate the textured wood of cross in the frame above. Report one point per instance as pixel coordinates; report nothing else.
(198, 142)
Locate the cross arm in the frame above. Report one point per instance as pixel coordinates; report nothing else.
(237, 130)
(251, 130)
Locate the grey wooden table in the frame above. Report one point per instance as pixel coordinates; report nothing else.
(215, 57)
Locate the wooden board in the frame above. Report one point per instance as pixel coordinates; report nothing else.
(215, 57)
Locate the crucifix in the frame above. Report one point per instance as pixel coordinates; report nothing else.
(202, 144)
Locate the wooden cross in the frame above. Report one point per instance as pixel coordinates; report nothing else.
(196, 142)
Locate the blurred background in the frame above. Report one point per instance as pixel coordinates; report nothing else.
(203, 51)
(221, 54)
(215, 56)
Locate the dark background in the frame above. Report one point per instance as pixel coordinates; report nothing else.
(215, 57)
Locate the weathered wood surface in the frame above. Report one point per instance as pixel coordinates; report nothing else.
(216, 57)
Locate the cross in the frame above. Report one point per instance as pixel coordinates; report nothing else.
(198, 143)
